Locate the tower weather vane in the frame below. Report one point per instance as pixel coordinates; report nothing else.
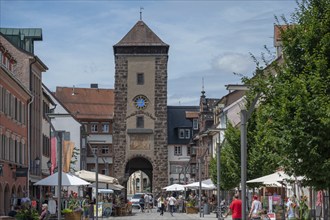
(141, 8)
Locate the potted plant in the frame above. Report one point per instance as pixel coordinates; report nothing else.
(74, 211)
(27, 214)
(191, 207)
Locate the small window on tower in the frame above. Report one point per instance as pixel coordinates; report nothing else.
(140, 78)
(139, 122)
(195, 124)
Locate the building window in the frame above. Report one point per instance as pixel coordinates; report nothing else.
(1, 99)
(105, 128)
(181, 133)
(11, 150)
(187, 133)
(177, 151)
(2, 149)
(104, 149)
(94, 128)
(176, 169)
(188, 151)
(20, 153)
(140, 78)
(94, 150)
(16, 151)
(195, 124)
(139, 122)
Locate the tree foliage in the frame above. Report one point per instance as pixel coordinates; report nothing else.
(230, 159)
(293, 116)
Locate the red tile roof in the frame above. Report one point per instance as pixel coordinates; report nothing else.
(87, 103)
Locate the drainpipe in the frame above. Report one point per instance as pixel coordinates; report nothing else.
(29, 145)
(29, 128)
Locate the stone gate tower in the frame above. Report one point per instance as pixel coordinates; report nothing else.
(140, 114)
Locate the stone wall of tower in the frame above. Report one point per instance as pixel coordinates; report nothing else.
(159, 159)
(119, 126)
(160, 169)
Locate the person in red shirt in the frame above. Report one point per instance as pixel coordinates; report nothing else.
(236, 208)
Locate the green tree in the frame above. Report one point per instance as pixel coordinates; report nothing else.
(294, 112)
(229, 161)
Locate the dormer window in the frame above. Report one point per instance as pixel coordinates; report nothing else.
(181, 133)
(184, 133)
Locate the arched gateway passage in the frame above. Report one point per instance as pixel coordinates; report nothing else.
(139, 164)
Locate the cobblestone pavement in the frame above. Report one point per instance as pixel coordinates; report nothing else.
(156, 215)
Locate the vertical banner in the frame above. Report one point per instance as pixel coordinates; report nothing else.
(53, 153)
(68, 147)
(99, 210)
(270, 202)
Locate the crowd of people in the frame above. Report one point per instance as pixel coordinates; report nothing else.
(292, 209)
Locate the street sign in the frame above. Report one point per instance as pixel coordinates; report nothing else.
(21, 172)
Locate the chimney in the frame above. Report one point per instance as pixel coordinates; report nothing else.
(94, 85)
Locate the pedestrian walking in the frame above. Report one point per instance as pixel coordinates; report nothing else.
(141, 202)
(160, 204)
(146, 202)
(255, 208)
(151, 202)
(236, 208)
(291, 208)
(171, 201)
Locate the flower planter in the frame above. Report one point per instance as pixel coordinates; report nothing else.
(72, 216)
(191, 210)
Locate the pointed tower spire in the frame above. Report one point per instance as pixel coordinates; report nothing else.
(141, 8)
(203, 91)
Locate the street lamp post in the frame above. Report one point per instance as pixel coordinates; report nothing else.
(200, 186)
(218, 180)
(59, 174)
(245, 115)
(49, 165)
(59, 135)
(96, 172)
(200, 160)
(37, 164)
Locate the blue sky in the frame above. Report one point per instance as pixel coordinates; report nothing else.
(208, 40)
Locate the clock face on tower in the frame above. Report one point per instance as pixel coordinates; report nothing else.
(140, 102)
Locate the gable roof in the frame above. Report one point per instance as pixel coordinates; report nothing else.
(87, 103)
(140, 35)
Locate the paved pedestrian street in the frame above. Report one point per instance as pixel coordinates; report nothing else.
(156, 215)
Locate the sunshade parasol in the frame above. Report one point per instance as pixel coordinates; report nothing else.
(67, 180)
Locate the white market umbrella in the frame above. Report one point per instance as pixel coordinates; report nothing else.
(67, 180)
(278, 176)
(195, 185)
(117, 187)
(210, 183)
(174, 187)
(91, 176)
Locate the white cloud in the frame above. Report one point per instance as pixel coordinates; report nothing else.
(210, 39)
(234, 63)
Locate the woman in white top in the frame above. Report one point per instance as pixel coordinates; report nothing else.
(171, 202)
(291, 205)
(255, 208)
